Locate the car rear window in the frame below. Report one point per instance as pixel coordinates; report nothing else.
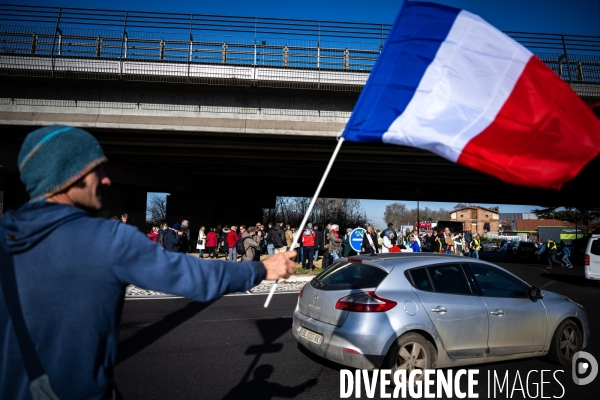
(348, 276)
(595, 249)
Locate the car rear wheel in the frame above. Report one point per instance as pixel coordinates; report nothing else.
(565, 343)
(412, 352)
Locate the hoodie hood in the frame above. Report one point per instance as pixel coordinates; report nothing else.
(33, 222)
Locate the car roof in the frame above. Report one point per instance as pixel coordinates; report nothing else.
(409, 259)
(389, 261)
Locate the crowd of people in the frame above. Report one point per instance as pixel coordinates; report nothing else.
(442, 241)
(248, 243)
(551, 250)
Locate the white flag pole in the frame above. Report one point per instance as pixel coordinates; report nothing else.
(309, 210)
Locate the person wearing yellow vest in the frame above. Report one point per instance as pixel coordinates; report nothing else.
(552, 251)
(475, 247)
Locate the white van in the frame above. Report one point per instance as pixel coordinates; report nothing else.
(592, 258)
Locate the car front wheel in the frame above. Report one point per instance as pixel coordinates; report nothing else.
(565, 343)
(412, 352)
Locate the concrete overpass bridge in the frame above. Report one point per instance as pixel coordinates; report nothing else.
(220, 120)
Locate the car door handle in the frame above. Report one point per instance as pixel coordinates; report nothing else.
(439, 309)
(497, 312)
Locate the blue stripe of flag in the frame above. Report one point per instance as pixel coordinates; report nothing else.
(410, 47)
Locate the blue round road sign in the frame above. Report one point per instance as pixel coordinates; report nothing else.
(356, 238)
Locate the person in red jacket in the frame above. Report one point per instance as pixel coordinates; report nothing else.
(308, 239)
(153, 234)
(212, 241)
(231, 238)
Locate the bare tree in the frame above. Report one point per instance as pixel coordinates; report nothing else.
(347, 213)
(398, 214)
(156, 211)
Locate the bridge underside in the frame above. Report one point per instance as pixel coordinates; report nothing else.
(239, 160)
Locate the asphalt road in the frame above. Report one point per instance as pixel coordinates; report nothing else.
(236, 349)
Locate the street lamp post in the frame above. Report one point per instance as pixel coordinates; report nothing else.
(576, 227)
(418, 219)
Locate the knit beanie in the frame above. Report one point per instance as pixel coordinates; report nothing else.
(52, 158)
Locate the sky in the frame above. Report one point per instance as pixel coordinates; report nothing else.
(376, 208)
(546, 16)
(542, 16)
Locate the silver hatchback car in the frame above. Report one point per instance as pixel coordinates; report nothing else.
(424, 310)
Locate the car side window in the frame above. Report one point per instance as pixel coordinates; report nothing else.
(595, 248)
(421, 279)
(449, 278)
(495, 283)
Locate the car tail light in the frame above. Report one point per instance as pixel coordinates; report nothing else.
(587, 259)
(355, 260)
(351, 351)
(301, 292)
(365, 302)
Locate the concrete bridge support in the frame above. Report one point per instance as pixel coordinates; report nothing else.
(127, 199)
(12, 191)
(216, 207)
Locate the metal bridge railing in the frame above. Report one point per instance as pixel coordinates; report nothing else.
(232, 50)
(169, 47)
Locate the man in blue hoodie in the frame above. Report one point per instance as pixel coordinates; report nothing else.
(69, 271)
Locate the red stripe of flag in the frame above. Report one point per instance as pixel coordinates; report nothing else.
(543, 136)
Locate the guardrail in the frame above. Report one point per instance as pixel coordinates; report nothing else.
(228, 50)
(107, 44)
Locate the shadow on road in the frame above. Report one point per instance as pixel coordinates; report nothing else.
(260, 388)
(320, 360)
(145, 337)
(577, 280)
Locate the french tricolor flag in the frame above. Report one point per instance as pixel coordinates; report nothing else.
(449, 82)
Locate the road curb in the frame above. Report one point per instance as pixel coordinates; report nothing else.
(292, 284)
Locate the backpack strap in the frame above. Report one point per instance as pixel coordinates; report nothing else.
(39, 382)
(10, 291)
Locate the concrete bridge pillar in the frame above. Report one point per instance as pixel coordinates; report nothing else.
(210, 210)
(127, 199)
(12, 191)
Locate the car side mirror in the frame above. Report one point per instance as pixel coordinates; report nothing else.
(536, 293)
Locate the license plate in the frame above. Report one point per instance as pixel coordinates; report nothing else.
(311, 336)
